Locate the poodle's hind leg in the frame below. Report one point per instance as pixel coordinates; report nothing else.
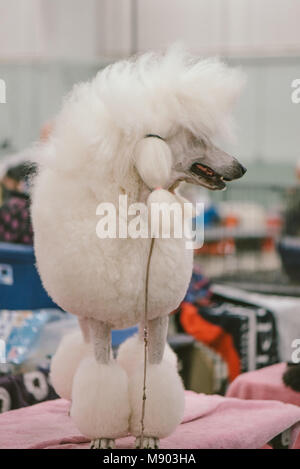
(164, 391)
(100, 401)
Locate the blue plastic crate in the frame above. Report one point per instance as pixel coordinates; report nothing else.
(120, 335)
(21, 286)
(20, 283)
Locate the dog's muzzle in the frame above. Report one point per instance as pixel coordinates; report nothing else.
(208, 177)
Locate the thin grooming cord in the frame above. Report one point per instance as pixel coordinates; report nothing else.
(145, 342)
(146, 327)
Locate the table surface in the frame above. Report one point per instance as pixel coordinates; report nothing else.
(209, 422)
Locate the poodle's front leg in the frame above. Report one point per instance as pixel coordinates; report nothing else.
(157, 338)
(100, 401)
(164, 391)
(100, 335)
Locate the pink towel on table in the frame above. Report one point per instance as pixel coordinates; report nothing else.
(209, 422)
(265, 384)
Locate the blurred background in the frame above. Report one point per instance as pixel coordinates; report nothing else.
(249, 266)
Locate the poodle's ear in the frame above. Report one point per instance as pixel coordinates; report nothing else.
(153, 161)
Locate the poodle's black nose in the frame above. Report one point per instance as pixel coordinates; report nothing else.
(243, 169)
(236, 172)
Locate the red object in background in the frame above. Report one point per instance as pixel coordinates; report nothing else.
(268, 245)
(274, 221)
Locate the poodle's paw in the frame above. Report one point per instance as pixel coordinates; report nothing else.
(147, 443)
(71, 350)
(103, 443)
(164, 400)
(100, 401)
(131, 354)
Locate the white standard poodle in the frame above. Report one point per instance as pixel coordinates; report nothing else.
(139, 125)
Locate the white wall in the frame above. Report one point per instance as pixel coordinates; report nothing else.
(268, 120)
(70, 29)
(21, 29)
(256, 27)
(198, 23)
(87, 29)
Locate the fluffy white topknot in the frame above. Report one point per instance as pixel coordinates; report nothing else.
(151, 93)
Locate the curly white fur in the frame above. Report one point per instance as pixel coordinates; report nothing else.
(100, 401)
(131, 354)
(165, 400)
(71, 350)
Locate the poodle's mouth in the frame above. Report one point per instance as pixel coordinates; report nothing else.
(207, 177)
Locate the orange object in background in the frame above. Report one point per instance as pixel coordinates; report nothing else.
(211, 335)
(217, 248)
(231, 221)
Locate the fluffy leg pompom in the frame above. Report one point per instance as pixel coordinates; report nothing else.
(100, 401)
(164, 400)
(71, 350)
(131, 354)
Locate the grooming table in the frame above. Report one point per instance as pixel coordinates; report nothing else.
(209, 422)
(264, 384)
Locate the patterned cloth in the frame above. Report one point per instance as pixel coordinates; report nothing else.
(15, 223)
(25, 389)
(242, 333)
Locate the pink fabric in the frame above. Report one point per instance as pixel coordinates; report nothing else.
(265, 384)
(209, 422)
